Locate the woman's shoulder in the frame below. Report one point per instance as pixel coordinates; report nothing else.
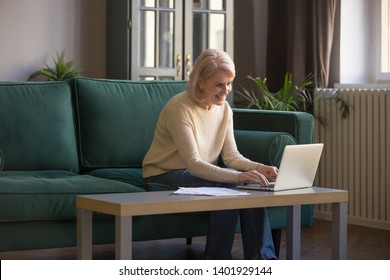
(180, 97)
(180, 100)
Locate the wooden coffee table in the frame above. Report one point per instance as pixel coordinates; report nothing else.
(126, 205)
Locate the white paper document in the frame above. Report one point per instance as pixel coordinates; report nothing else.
(211, 191)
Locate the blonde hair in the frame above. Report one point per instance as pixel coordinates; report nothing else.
(208, 62)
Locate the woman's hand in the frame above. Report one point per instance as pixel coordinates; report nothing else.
(262, 175)
(270, 172)
(253, 177)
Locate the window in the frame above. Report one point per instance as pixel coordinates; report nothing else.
(365, 42)
(356, 65)
(385, 44)
(155, 40)
(383, 40)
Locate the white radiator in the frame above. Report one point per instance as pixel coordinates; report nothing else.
(357, 155)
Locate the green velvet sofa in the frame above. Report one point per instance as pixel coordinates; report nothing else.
(63, 139)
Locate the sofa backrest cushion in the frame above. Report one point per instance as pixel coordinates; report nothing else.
(1, 161)
(117, 119)
(37, 130)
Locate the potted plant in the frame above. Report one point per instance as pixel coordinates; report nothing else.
(290, 97)
(62, 71)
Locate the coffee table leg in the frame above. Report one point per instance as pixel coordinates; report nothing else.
(293, 234)
(339, 230)
(123, 238)
(84, 234)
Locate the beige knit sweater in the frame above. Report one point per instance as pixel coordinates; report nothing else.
(189, 137)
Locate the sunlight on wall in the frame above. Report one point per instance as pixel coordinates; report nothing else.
(356, 42)
(32, 32)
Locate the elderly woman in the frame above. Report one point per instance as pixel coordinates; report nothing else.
(196, 128)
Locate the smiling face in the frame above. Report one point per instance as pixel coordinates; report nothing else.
(215, 89)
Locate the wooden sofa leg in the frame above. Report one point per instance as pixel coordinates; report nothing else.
(189, 240)
(277, 236)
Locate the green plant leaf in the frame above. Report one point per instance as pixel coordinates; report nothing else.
(61, 71)
(290, 97)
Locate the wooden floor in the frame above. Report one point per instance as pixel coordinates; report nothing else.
(363, 244)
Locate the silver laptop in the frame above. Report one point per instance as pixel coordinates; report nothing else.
(298, 168)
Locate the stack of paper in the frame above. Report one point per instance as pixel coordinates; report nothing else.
(211, 191)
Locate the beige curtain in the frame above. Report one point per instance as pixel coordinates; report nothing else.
(303, 38)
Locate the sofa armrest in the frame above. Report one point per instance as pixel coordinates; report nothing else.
(258, 132)
(263, 146)
(300, 125)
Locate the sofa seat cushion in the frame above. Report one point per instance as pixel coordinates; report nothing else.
(130, 176)
(127, 175)
(49, 195)
(37, 130)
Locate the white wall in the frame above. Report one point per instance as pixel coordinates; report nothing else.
(31, 32)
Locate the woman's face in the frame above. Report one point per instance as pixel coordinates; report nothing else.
(216, 88)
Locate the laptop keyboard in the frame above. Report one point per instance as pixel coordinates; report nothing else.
(270, 187)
